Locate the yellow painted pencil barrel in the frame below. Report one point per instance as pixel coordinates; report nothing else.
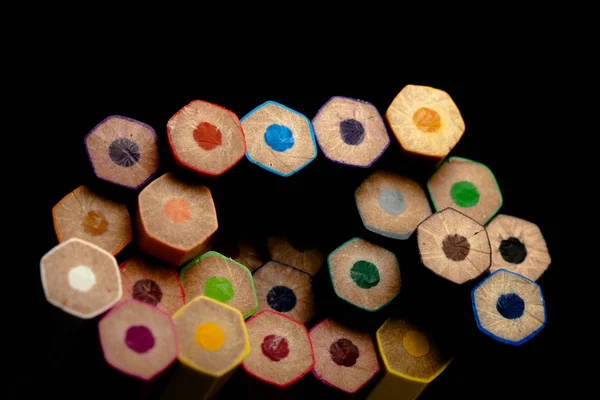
(411, 360)
(213, 342)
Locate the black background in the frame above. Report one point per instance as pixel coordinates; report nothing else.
(315, 205)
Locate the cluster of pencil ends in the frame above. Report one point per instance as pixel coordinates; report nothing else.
(215, 307)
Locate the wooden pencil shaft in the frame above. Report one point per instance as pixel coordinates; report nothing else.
(187, 383)
(280, 349)
(394, 387)
(206, 138)
(509, 307)
(91, 217)
(305, 259)
(284, 289)
(350, 132)
(391, 205)
(411, 358)
(218, 277)
(122, 151)
(279, 139)
(454, 246)
(425, 121)
(80, 278)
(365, 275)
(467, 186)
(138, 339)
(153, 282)
(213, 342)
(175, 219)
(344, 358)
(518, 246)
(241, 251)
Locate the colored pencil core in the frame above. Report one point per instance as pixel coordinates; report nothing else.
(207, 136)
(279, 137)
(343, 352)
(456, 247)
(209, 336)
(464, 194)
(275, 347)
(139, 339)
(219, 289)
(177, 210)
(392, 201)
(82, 278)
(281, 298)
(510, 306)
(513, 250)
(416, 343)
(124, 152)
(352, 131)
(365, 274)
(147, 291)
(427, 120)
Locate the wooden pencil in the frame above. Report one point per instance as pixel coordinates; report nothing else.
(241, 251)
(220, 278)
(411, 358)
(350, 132)
(153, 282)
(213, 342)
(80, 278)
(425, 121)
(122, 151)
(283, 250)
(175, 219)
(468, 186)
(206, 138)
(454, 246)
(391, 205)
(365, 275)
(281, 352)
(88, 216)
(344, 359)
(286, 290)
(138, 339)
(509, 307)
(279, 139)
(519, 246)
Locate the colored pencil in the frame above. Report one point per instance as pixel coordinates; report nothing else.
(279, 139)
(281, 352)
(286, 290)
(175, 219)
(519, 246)
(468, 186)
(411, 358)
(138, 339)
(206, 138)
(220, 278)
(122, 151)
(509, 307)
(80, 278)
(364, 274)
(153, 282)
(308, 260)
(391, 205)
(350, 132)
(344, 358)
(454, 246)
(213, 342)
(241, 251)
(425, 121)
(91, 217)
